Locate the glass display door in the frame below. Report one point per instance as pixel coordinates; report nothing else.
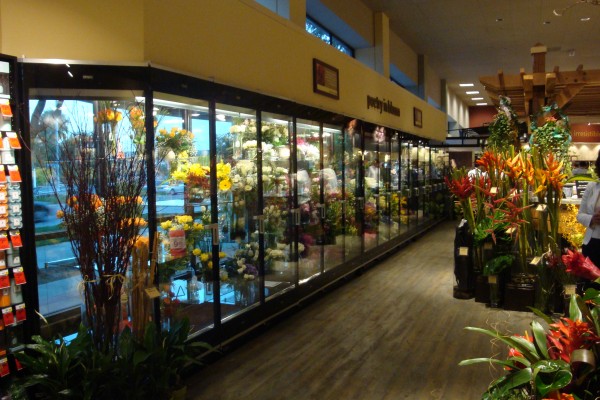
(332, 175)
(394, 193)
(310, 199)
(353, 191)
(277, 219)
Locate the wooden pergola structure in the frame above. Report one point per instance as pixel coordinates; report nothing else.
(577, 92)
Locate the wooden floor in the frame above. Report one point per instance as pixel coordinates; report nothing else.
(394, 332)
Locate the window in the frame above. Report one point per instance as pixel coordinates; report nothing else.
(319, 31)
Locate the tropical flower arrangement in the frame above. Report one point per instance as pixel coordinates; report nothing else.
(557, 361)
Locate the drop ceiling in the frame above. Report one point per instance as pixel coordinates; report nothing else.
(464, 40)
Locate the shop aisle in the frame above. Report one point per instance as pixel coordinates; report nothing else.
(394, 332)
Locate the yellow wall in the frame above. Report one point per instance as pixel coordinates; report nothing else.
(235, 42)
(109, 31)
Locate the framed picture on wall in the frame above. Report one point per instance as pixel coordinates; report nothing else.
(418, 117)
(326, 79)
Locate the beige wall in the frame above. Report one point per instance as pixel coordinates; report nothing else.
(235, 42)
(432, 85)
(403, 57)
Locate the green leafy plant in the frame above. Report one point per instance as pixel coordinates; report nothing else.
(554, 362)
(498, 264)
(137, 369)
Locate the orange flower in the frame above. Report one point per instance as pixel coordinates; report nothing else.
(71, 201)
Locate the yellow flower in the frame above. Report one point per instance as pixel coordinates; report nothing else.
(222, 254)
(166, 225)
(204, 257)
(184, 219)
(210, 265)
(197, 252)
(197, 226)
(225, 185)
(60, 214)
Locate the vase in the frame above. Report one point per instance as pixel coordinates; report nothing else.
(208, 291)
(493, 281)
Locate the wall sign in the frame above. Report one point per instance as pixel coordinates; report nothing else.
(418, 117)
(382, 105)
(326, 79)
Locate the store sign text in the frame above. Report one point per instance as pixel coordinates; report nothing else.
(382, 105)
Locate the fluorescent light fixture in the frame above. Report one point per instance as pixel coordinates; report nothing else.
(476, 98)
(481, 104)
(472, 92)
(585, 19)
(466, 85)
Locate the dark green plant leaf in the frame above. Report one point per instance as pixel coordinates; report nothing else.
(539, 334)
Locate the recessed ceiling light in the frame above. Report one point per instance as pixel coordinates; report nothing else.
(546, 22)
(481, 104)
(585, 19)
(466, 85)
(499, 19)
(476, 98)
(472, 92)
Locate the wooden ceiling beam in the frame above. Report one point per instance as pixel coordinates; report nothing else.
(566, 95)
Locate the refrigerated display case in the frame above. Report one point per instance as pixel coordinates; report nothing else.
(255, 203)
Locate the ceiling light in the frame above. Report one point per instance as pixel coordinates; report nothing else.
(585, 19)
(546, 22)
(499, 19)
(571, 53)
(466, 85)
(472, 92)
(476, 98)
(481, 104)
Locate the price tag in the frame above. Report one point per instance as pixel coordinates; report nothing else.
(463, 251)
(494, 190)
(510, 230)
(21, 315)
(536, 260)
(4, 279)
(13, 140)
(4, 226)
(152, 292)
(8, 316)
(3, 195)
(541, 208)
(4, 370)
(13, 173)
(570, 290)
(19, 276)
(15, 239)
(492, 279)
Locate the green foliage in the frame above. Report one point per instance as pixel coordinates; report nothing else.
(532, 372)
(498, 264)
(553, 136)
(147, 369)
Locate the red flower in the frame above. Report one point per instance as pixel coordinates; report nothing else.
(460, 186)
(581, 266)
(567, 335)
